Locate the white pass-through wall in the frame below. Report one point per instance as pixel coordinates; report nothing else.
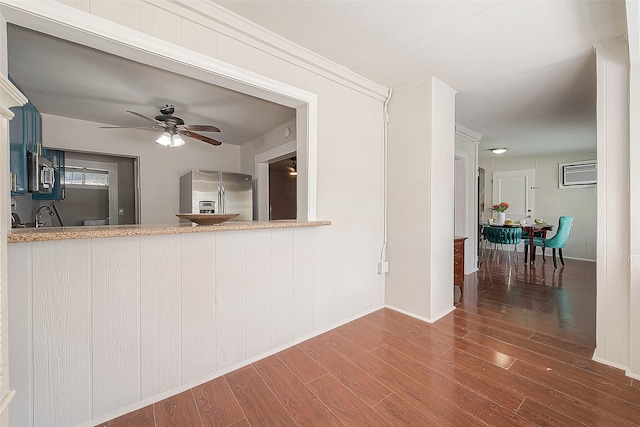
(243, 57)
(104, 326)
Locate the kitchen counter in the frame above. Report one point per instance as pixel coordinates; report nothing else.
(24, 235)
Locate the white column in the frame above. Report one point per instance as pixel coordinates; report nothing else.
(633, 36)
(634, 190)
(613, 309)
(420, 187)
(9, 97)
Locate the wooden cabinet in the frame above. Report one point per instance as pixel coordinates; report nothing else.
(458, 262)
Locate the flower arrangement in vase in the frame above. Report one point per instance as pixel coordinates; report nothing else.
(500, 208)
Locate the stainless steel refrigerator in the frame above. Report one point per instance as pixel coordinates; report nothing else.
(203, 191)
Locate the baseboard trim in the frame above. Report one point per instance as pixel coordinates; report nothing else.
(6, 399)
(224, 371)
(626, 369)
(415, 316)
(610, 363)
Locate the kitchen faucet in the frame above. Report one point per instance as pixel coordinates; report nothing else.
(38, 218)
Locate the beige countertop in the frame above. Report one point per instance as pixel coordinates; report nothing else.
(24, 235)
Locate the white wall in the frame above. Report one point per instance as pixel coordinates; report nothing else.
(421, 202)
(613, 270)
(552, 202)
(265, 142)
(160, 167)
(349, 131)
(349, 148)
(633, 17)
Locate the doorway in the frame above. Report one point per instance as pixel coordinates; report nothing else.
(100, 189)
(262, 204)
(282, 189)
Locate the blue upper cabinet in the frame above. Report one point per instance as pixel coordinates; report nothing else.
(56, 157)
(17, 153)
(37, 130)
(25, 134)
(32, 124)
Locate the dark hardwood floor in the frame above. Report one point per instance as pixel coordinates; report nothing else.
(516, 351)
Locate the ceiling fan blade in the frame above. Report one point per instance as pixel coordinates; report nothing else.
(199, 137)
(152, 129)
(151, 119)
(201, 128)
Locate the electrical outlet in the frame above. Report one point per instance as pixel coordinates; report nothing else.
(383, 267)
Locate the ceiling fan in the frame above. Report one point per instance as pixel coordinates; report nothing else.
(293, 169)
(173, 127)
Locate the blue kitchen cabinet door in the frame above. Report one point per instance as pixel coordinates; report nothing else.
(17, 153)
(56, 157)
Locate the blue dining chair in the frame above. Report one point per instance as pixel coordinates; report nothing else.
(503, 236)
(537, 242)
(560, 239)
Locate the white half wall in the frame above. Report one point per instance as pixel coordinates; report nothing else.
(160, 167)
(552, 202)
(151, 316)
(421, 201)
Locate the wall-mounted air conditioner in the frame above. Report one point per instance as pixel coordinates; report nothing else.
(577, 174)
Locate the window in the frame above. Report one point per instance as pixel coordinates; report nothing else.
(86, 178)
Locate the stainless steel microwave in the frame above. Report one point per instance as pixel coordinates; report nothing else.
(41, 176)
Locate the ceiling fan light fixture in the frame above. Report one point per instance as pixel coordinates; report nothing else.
(165, 139)
(293, 170)
(176, 141)
(498, 150)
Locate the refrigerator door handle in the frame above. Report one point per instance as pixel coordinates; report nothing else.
(219, 208)
(224, 204)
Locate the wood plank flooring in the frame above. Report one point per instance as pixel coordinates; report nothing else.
(516, 352)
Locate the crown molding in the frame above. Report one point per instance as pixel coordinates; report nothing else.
(10, 96)
(464, 134)
(232, 25)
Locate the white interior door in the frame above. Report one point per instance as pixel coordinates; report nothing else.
(516, 188)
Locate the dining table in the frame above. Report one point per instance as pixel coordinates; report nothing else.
(531, 230)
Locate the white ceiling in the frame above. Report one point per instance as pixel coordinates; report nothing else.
(70, 80)
(524, 70)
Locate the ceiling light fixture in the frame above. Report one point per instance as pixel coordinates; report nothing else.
(164, 139)
(293, 170)
(170, 139)
(176, 141)
(498, 150)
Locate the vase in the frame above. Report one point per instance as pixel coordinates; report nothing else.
(501, 217)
